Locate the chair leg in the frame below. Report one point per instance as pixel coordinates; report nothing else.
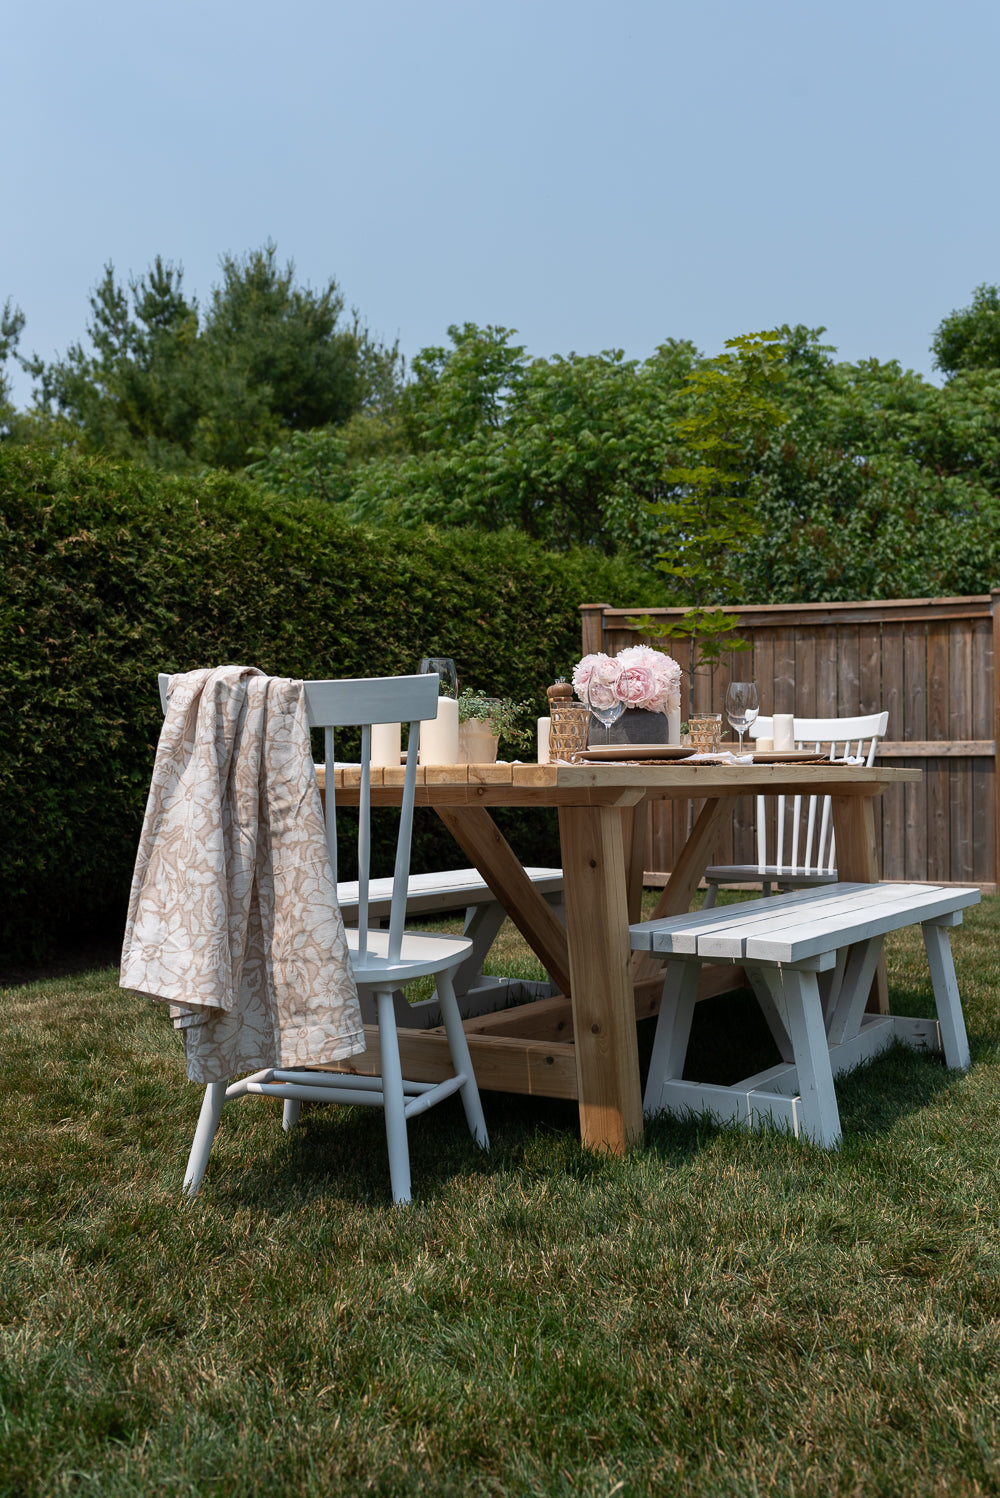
(710, 894)
(392, 1093)
(462, 1061)
(291, 1108)
(208, 1122)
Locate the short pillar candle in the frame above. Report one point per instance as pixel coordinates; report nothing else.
(439, 736)
(784, 731)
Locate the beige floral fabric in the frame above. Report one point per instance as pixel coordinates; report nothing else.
(233, 918)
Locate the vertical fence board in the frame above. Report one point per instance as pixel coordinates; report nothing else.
(961, 811)
(784, 671)
(826, 670)
(805, 675)
(983, 782)
(914, 727)
(848, 673)
(891, 814)
(935, 770)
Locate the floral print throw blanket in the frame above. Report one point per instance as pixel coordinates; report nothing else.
(233, 917)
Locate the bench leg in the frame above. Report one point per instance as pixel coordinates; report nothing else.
(949, 1006)
(820, 1116)
(766, 985)
(482, 927)
(673, 1030)
(855, 986)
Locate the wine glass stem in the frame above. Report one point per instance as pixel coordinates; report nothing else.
(741, 732)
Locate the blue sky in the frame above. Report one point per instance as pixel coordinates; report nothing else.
(594, 175)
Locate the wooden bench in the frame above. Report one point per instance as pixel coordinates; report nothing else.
(429, 895)
(809, 957)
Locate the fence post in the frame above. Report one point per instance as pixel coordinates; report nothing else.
(592, 626)
(995, 611)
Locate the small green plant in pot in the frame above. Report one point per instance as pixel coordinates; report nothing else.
(483, 721)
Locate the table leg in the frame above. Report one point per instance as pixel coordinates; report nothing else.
(694, 859)
(634, 835)
(479, 837)
(607, 1056)
(857, 863)
(680, 888)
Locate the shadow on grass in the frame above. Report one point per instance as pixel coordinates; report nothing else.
(341, 1152)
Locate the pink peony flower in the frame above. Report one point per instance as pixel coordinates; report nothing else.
(636, 686)
(639, 676)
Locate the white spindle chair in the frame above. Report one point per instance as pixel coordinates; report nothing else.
(383, 960)
(805, 852)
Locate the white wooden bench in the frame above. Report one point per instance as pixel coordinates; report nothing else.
(809, 957)
(429, 895)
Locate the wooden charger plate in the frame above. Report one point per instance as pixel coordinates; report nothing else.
(636, 751)
(788, 757)
(666, 752)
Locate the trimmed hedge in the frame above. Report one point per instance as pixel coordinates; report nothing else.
(112, 573)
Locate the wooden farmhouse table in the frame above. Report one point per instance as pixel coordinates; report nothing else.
(582, 1043)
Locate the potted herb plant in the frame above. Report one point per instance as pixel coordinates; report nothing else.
(483, 721)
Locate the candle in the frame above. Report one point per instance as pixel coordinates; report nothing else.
(784, 731)
(387, 743)
(544, 725)
(763, 746)
(439, 736)
(674, 726)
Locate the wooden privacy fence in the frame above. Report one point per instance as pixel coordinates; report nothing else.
(929, 661)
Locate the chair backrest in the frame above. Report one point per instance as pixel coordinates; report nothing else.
(360, 703)
(804, 844)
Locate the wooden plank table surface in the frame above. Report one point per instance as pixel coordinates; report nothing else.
(583, 1045)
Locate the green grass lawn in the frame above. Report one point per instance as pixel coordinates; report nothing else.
(718, 1313)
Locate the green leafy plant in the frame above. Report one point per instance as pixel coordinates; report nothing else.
(503, 714)
(710, 517)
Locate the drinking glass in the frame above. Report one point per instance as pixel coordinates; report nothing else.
(606, 709)
(741, 707)
(443, 666)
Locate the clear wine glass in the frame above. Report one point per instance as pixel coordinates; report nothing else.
(606, 708)
(741, 707)
(443, 666)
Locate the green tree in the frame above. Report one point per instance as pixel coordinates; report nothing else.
(880, 484)
(180, 388)
(569, 450)
(970, 337)
(709, 518)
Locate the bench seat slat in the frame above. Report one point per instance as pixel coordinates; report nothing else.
(801, 925)
(886, 910)
(685, 933)
(448, 890)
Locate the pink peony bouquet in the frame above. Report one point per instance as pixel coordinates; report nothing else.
(639, 676)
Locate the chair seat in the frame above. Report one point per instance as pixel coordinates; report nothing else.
(421, 954)
(738, 873)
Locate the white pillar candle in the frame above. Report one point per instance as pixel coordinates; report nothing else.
(387, 743)
(674, 726)
(784, 735)
(763, 746)
(439, 736)
(544, 725)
